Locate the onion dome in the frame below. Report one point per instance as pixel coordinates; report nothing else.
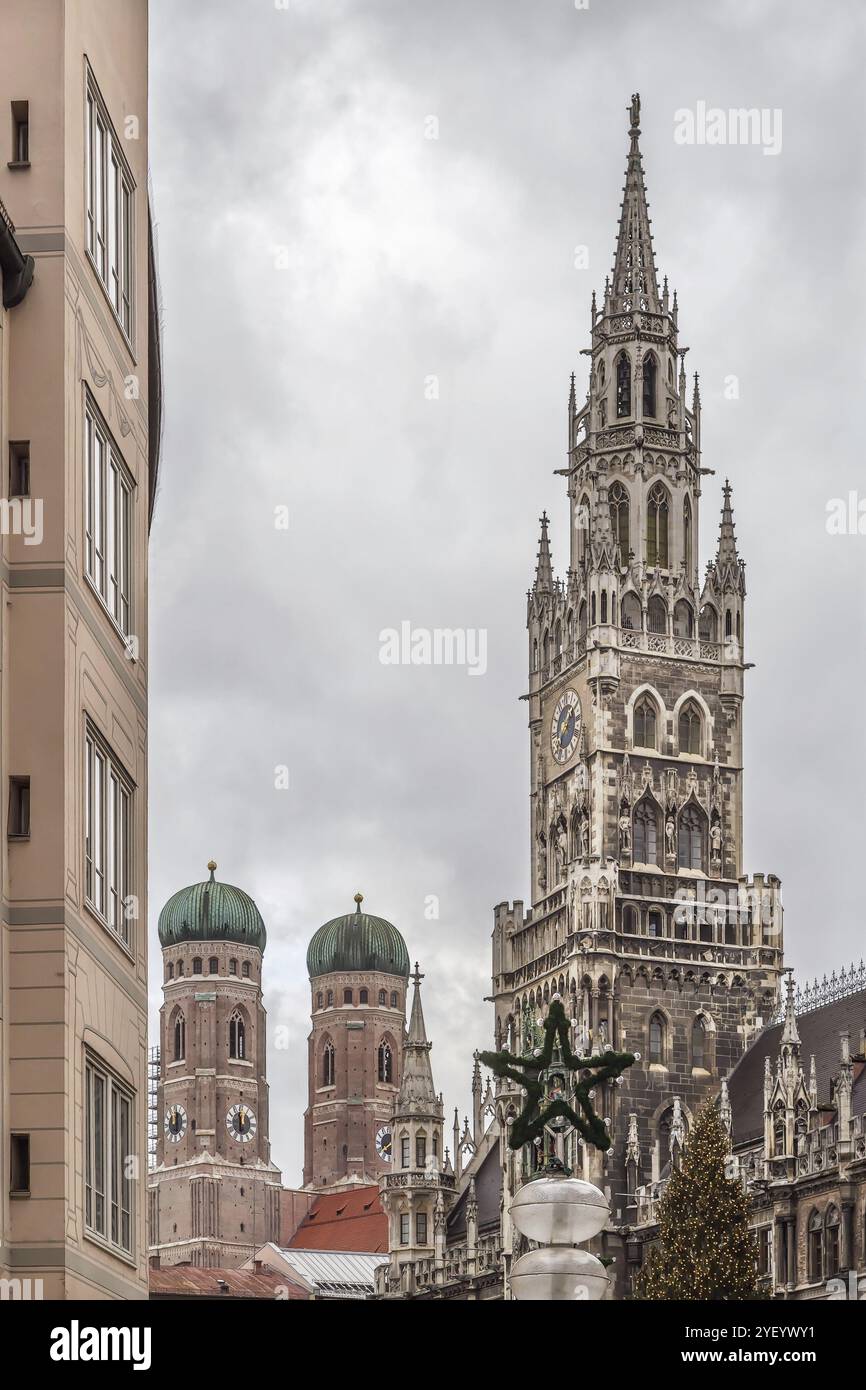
(211, 911)
(358, 941)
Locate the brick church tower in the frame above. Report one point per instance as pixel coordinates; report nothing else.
(641, 916)
(358, 967)
(214, 1195)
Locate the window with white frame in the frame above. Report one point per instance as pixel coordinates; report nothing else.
(108, 826)
(109, 209)
(108, 523)
(109, 1156)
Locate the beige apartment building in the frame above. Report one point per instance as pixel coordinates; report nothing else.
(79, 433)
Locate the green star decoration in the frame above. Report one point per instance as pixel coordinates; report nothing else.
(527, 1072)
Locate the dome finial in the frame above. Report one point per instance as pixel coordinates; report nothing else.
(359, 898)
(211, 863)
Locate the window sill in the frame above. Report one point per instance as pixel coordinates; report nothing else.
(109, 931)
(18, 164)
(115, 626)
(13, 836)
(105, 1245)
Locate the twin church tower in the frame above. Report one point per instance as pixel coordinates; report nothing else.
(214, 1193)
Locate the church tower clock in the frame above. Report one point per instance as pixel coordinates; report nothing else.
(214, 1194)
(641, 917)
(359, 968)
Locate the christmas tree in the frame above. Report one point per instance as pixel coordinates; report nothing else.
(706, 1252)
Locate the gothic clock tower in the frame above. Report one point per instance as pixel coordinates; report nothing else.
(641, 917)
(214, 1196)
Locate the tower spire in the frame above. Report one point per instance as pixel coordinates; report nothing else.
(544, 565)
(635, 284)
(416, 1085)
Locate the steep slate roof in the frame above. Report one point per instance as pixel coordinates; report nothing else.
(351, 1219)
(188, 1281)
(488, 1189)
(819, 1032)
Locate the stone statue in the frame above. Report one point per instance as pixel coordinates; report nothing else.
(671, 837)
(635, 110)
(716, 841)
(560, 850)
(584, 837)
(541, 863)
(624, 834)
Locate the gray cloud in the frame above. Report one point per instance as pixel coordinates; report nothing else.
(300, 135)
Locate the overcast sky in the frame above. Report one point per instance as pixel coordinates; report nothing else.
(321, 259)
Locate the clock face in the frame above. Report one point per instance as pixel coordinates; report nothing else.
(383, 1144)
(241, 1123)
(175, 1123)
(565, 726)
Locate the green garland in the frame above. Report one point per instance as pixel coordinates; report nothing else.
(530, 1124)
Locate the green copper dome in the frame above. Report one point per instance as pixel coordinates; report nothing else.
(358, 942)
(211, 911)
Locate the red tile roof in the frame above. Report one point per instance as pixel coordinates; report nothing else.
(351, 1219)
(189, 1281)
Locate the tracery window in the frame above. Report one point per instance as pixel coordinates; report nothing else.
(623, 386)
(618, 498)
(657, 526)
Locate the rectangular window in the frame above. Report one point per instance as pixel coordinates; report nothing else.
(108, 520)
(19, 1166)
(108, 825)
(19, 468)
(421, 1228)
(108, 1157)
(109, 230)
(404, 1228)
(765, 1250)
(404, 1153)
(420, 1152)
(19, 808)
(20, 135)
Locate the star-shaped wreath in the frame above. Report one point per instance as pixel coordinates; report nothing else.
(527, 1072)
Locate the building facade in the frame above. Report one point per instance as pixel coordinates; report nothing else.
(79, 435)
(642, 917)
(358, 967)
(214, 1194)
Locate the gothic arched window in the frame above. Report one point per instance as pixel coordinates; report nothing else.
(650, 370)
(831, 1243)
(328, 1064)
(196, 965)
(629, 918)
(179, 1037)
(237, 1036)
(691, 838)
(382, 998)
(386, 1062)
(699, 1040)
(213, 966)
(618, 498)
(393, 998)
(604, 605)
(683, 619)
(645, 723)
(687, 535)
(320, 999)
(655, 922)
(623, 386)
(631, 613)
(592, 610)
(170, 970)
(581, 522)
(690, 723)
(245, 970)
(657, 614)
(657, 526)
(581, 619)
(708, 626)
(363, 997)
(816, 1249)
(645, 836)
(657, 1038)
